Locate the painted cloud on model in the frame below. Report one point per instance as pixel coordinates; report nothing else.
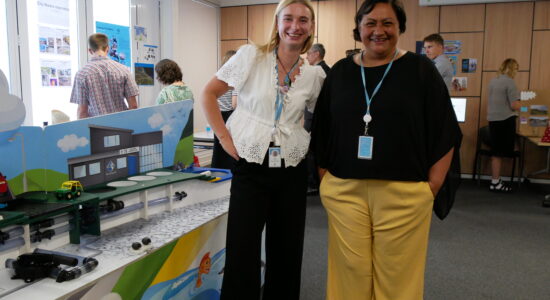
(71, 142)
(157, 120)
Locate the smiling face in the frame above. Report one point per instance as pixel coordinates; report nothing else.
(295, 25)
(379, 31)
(433, 49)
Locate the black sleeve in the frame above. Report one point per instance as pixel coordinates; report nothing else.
(320, 132)
(443, 134)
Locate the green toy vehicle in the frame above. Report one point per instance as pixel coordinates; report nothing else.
(69, 190)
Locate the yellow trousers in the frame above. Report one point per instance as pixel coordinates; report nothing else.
(378, 238)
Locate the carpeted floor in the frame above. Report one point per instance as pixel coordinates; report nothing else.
(492, 246)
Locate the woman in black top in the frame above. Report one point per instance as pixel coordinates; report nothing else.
(381, 164)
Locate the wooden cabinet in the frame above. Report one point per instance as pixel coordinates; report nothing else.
(335, 28)
(233, 23)
(462, 18)
(508, 30)
(260, 22)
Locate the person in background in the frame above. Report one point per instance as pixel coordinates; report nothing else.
(264, 134)
(384, 134)
(433, 44)
(316, 55)
(351, 52)
(227, 103)
(501, 113)
(169, 73)
(101, 86)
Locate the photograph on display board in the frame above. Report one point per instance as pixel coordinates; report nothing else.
(538, 121)
(144, 74)
(469, 65)
(140, 34)
(459, 84)
(539, 110)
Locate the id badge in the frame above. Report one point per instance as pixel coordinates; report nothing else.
(275, 157)
(365, 147)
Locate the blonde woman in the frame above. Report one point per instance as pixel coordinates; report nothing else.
(501, 114)
(265, 135)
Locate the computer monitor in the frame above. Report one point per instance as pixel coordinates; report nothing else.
(459, 105)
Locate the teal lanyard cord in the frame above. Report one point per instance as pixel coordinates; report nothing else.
(369, 99)
(287, 82)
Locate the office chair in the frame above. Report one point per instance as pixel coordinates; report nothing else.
(483, 148)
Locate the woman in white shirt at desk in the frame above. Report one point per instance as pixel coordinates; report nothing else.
(265, 135)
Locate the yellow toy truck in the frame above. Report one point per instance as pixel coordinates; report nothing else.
(69, 190)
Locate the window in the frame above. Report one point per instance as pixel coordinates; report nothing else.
(121, 163)
(79, 172)
(111, 141)
(95, 168)
(4, 53)
(150, 157)
(52, 42)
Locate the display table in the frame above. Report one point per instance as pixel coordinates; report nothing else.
(192, 229)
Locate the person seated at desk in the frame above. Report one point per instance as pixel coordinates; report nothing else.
(169, 73)
(501, 114)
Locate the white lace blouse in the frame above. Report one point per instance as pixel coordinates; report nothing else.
(253, 75)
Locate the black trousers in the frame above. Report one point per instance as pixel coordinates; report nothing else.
(276, 198)
(220, 158)
(503, 136)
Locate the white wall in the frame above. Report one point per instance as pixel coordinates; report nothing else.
(189, 35)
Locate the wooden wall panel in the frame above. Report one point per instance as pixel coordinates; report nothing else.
(421, 22)
(542, 15)
(335, 25)
(540, 61)
(230, 45)
(507, 35)
(469, 132)
(462, 18)
(260, 20)
(472, 47)
(233, 23)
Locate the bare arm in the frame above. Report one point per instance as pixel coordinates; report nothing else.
(516, 105)
(132, 102)
(234, 101)
(213, 90)
(321, 172)
(438, 171)
(82, 111)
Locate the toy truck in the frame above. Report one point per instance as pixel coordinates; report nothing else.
(69, 190)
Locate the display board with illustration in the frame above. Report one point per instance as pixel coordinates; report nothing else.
(40, 158)
(533, 114)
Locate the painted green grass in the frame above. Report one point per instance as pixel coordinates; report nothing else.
(184, 151)
(37, 180)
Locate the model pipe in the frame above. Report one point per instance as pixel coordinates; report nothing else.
(12, 243)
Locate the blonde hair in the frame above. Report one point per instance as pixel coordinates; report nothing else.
(509, 67)
(274, 38)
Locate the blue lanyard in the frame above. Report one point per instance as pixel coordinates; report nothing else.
(279, 101)
(369, 99)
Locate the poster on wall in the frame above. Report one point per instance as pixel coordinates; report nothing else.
(469, 65)
(452, 47)
(55, 72)
(420, 48)
(119, 42)
(54, 12)
(149, 53)
(145, 74)
(454, 61)
(140, 34)
(459, 84)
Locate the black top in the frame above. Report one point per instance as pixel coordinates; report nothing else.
(413, 121)
(325, 67)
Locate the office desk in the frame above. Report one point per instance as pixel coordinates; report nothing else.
(536, 140)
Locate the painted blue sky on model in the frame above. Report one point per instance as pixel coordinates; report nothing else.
(50, 149)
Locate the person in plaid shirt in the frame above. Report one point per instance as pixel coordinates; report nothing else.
(103, 84)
